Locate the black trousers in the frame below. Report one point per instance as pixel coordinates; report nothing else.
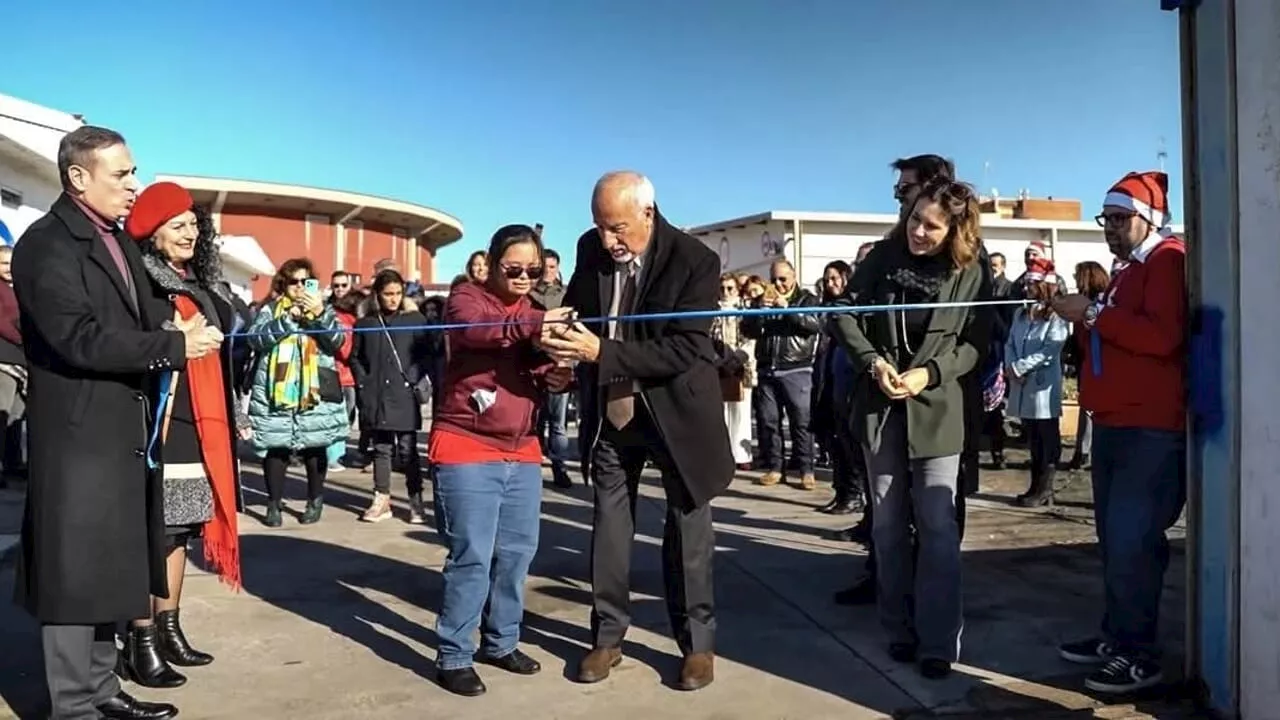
(849, 467)
(276, 464)
(389, 444)
(1044, 440)
(79, 664)
(688, 540)
(993, 428)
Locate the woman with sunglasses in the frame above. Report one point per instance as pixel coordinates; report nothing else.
(296, 403)
(488, 461)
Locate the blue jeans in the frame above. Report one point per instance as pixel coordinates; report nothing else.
(555, 445)
(488, 515)
(922, 492)
(1139, 489)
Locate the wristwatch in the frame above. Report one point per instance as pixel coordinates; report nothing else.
(1091, 315)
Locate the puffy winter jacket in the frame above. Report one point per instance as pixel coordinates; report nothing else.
(275, 427)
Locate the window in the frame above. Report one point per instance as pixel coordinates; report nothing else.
(10, 198)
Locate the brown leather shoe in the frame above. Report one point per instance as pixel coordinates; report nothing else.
(596, 665)
(698, 671)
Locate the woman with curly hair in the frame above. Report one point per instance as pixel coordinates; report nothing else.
(296, 403)
(193, 439)
(909, 411)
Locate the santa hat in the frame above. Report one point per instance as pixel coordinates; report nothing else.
(1144, 193)
(1039, 247)
(1041, 270)
(157, 205)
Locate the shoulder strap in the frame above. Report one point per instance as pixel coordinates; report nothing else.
(394, 352)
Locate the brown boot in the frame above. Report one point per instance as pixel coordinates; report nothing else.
(698, 671)
(596, 665)
(808, 482)
(769, 479)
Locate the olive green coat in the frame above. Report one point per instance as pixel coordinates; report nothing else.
(956, 339)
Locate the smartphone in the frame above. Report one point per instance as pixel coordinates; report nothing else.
(312, 285)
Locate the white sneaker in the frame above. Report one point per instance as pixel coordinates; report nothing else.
(417, 510)
(379, 509)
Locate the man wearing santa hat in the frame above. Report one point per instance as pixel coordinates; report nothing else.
(1132, 378)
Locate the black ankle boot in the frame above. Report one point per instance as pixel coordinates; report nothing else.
(1041, 491)
(173, 642)
(143, 662)
(311, 515)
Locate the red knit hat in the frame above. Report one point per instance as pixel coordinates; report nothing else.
(1145, 193)
(157, 205)
(1041, 270)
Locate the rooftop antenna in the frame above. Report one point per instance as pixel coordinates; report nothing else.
(1161, 155)
(986, 174)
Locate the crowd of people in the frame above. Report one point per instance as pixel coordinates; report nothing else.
(138, 367)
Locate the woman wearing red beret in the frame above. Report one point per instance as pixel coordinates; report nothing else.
(192, 445)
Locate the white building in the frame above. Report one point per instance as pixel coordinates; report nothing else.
(29, 137)
(810, 240)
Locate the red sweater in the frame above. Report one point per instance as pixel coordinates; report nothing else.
(1142, 335)
(498, 359)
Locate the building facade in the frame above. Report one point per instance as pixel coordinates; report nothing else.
(337, 230)
(810, 240)
(29, 182)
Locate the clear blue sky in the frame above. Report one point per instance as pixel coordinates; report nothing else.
(502, 111)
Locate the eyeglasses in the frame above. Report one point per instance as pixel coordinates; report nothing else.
(1115, 220)
(515, 272)
(901, 190)
(341, 286)
(294, 282)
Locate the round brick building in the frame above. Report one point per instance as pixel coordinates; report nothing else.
(337, 230)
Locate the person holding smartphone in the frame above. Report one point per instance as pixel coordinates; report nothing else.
(295, 402)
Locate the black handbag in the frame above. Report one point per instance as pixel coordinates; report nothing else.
(422, 388)
(330, 386)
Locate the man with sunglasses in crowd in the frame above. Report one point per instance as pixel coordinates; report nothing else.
(785, 348)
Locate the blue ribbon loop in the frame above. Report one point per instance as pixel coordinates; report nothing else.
(166, 380)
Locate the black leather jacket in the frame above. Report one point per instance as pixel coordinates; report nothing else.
(785, 342)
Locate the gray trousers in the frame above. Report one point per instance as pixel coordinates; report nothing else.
(918, 593)
(79, 666)
(688, 540)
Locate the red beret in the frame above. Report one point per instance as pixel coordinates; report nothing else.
(157, 205)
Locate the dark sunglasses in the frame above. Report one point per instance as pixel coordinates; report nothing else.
(297, 281)
(515, 272)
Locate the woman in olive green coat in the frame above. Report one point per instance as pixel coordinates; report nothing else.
(910, 412)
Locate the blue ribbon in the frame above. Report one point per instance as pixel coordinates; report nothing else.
(680, 315)
(166, 380)
(1095, 351)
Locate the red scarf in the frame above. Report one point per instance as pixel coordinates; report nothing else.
(213, 428)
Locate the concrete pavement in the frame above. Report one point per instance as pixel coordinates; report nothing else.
(336, 620)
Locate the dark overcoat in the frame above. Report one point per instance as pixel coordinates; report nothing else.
(92, 535)
(673, 360)
(229, 314)
(385, 395)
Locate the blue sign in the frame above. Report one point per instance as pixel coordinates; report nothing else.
(6, 237)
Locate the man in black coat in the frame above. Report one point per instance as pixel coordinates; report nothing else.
(93, 532)
(658, 398)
